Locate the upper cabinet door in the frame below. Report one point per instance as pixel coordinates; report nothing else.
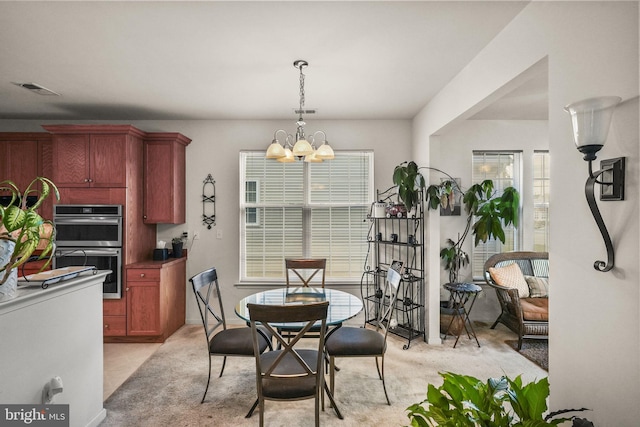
(71, 161)
(164, 178)
(19, 162)
(22, 159)
(108, 161)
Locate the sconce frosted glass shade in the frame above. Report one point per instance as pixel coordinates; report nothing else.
(275, 150)
(325, 151)
(591, 119)
(288, 157)
(302, 148)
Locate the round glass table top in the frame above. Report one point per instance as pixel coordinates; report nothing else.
(342, 305)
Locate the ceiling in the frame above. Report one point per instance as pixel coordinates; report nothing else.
(175, 60)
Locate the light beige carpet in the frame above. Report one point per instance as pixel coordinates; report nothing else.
(166, 390)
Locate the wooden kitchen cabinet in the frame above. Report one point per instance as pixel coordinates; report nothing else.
(22, 160)
(143, 301)
(97, 156)
(155, 295)
(19, 160)
(164, 178)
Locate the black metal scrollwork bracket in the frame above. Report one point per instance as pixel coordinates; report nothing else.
(209, 202)
(617, 181)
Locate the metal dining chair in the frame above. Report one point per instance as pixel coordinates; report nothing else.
(224, 342)
(301, 272)
(291, 372)
(362, 342)
(305, 269)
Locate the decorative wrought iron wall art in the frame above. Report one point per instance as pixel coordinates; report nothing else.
(209, 202)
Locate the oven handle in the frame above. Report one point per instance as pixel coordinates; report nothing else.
(92, 221)
(86, 252)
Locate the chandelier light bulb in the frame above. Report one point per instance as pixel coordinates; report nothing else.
(275, 150)
(302, 148)
(288, 157)
(313, 158)
(325, 151)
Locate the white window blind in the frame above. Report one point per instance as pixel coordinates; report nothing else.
(304, 210)
(504, 168)
(541, 186)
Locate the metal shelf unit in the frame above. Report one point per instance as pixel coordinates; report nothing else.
(396, 238)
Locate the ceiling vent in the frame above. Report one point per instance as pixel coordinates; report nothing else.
(305, 111)
(36, 88)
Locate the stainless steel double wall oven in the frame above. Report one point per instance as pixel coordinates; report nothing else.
(91, 235)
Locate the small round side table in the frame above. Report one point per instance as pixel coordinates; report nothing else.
(463, 296)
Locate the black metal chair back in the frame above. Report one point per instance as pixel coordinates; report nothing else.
(289, 373)
(364, 342)
(221, 342)
(305, 269)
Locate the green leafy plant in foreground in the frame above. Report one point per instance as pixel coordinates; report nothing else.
(463, 400)
(23, 225)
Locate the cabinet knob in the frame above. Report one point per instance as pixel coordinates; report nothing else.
(141, 274)
(127, 289)
(90, 180)
(86, 180)
(144, 217)
(106, 326)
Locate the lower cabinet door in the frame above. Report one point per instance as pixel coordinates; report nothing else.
(115, 326)
(143, 308)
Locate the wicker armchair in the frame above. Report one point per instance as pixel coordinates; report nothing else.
(524, 322)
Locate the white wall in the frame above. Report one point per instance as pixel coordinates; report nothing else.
(390, 140)
(592, 50)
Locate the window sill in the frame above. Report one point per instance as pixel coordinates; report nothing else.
(282, 284)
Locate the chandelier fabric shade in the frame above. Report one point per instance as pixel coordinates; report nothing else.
(300, 147)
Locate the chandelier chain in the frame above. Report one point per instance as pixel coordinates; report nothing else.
(301, 90)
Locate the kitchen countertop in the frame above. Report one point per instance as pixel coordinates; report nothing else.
(33, 294)
(155, 264)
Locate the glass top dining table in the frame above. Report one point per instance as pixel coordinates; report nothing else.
(342, 305)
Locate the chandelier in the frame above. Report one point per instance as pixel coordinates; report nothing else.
(299, 147)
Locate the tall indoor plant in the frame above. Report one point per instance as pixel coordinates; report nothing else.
(23, 231)
(487, 212)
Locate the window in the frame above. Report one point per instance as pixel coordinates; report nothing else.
(251, 197)
(504, 168)
(541, 201)
(304, 210)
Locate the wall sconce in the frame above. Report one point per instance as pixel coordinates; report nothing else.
(591, 119)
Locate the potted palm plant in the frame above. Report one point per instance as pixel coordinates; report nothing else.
(23, 231)
(487, 212)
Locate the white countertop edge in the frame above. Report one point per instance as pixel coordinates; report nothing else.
(35, 294)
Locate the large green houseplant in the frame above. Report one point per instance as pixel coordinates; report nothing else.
(23, 231)
(463, 401)
(487, 212)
